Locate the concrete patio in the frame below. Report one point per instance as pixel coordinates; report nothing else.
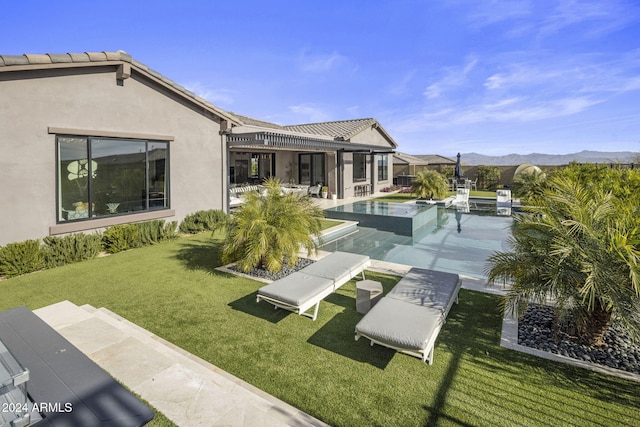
(185, 388)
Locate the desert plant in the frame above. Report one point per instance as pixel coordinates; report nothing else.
(579, 247)
(529, 186)
(71, 248)
(152, 232)
(202, 221)
(21, 258)
(120, 238)
(429, 184)
(269, 229)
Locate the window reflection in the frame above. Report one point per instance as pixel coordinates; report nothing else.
(104, 176)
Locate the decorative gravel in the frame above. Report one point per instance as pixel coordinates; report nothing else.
(285, 271)
(535, 330)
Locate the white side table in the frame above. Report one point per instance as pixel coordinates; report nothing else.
(368, 292)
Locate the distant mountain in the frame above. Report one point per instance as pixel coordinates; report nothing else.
(474, 159)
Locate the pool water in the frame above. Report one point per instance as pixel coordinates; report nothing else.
(460, 241)
(401, 218)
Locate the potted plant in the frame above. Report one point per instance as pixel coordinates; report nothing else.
(325, 191)
(333, 195)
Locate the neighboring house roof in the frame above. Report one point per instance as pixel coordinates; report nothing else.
(436, 159)
(28, 61)
(408, 159)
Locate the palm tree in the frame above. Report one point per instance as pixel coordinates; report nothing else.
(579, 248)
(429, 184)
(529, 187)
(270, 228)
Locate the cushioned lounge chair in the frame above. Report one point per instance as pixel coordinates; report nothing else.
(409, 318)
(304, 289)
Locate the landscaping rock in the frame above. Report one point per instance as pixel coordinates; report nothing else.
(619, 351)
(284, 272)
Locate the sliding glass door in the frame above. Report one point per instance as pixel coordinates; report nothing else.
(312, 170)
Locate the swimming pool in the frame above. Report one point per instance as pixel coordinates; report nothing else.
(460, 241)
(401, 218)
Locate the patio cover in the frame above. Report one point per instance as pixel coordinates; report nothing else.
(257, 137)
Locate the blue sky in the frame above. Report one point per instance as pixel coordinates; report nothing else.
(492, 77)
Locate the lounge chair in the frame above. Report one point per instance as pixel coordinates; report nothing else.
(462, 196)
(410, 317)
(304, 289)
(503, 198)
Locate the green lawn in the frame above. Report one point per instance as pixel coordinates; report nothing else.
(173, 290)
(405, 197)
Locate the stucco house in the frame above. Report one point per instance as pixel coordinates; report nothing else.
(91, 140)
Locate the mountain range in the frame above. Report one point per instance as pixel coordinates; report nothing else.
(473, 159)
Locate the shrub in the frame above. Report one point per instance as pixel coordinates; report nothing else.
(21, 258)
(72, 248)
(202, 221)
(488, 177)
(120, 238)
(152, 232)
(129, 236)
(429, 184)
(269, 229)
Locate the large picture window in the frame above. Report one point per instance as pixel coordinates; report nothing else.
(98, 177)
(383, 167)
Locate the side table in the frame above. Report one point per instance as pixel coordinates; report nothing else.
(368, 292)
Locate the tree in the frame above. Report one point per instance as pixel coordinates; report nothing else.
(578, 247)
(488, 177)
(429, 184)
(270, 228)
(529, 187)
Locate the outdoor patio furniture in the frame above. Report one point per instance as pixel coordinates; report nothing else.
(314, 190)
(304, 289)
(473, 184)
(362, 190)
(409, 318)
(462, 196)
(368, 293)
(503, 198)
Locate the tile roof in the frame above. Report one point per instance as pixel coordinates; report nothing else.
(95, 58)
(436, 159)
(408, 159)
(250, 121)
(343, 129)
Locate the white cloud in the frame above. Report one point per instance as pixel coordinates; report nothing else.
(219, 97)
(598, 17)
(309, 112)
(321, 62)
(453, 77)
(488, 13)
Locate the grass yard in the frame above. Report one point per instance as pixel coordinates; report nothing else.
(406, 197)
(173, 290)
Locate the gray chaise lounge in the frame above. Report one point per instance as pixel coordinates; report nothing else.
(409, 318)
(300, 291)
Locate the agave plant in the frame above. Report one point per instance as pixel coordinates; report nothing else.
(429, 184)
(578, 247)
(269, 229)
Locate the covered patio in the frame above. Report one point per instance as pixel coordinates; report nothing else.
(350, 158)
